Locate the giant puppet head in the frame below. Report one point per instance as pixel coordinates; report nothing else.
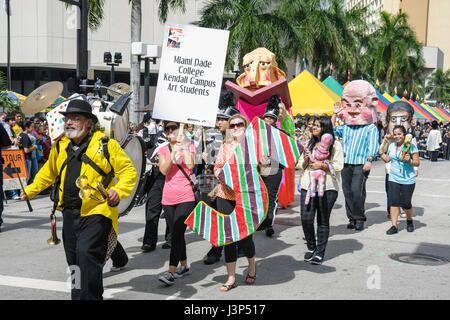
(359, 103)
(261, 69)
(399, 113)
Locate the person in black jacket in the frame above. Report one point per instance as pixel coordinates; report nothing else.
(153, 206)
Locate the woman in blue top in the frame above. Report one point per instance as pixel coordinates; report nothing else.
(402, 178)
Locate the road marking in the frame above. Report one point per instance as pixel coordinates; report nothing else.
(48, 285)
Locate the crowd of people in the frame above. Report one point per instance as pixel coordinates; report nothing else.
(336, 156)
(30, 135)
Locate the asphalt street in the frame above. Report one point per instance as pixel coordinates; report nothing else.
(358, 265)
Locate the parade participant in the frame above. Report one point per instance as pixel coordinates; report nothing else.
(271, 171)
(398, 113)
(261, 79)
(4, 143)
(320, 205)
(153, 206)
(360, 143)
(88, 223)
(434, 141)
(226, 201)
(214, 139)
(176, 163)
(402, 179)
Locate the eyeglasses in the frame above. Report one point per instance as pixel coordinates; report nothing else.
(237, 125)
(401, 118)
(72, 118)
(171, 128)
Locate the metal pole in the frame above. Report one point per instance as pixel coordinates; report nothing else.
(112, 75)
(146, 82)
(8, 12)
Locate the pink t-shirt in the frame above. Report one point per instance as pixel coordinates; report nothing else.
(177, 188)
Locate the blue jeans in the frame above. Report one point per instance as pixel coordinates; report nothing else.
(32, 169)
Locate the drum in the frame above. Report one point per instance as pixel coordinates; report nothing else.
(134, 147)
(113, 125)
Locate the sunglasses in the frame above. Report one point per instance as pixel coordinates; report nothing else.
(237, 125)
(171, 128)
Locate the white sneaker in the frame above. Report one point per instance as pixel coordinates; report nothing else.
(403, 215)
(16, 198)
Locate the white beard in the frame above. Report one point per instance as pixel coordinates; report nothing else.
(74, 133)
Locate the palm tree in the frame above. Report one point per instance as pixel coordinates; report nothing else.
(396, 49)
(252, 24)
(438, 86)
(95, 17)
(327, 34)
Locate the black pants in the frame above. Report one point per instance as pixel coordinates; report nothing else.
(153, 208)
(176, 216)
(273, 183)
(85, 243)
(323, 206)
(231, 250)
(401, 194)
(354, 188)
(214, 251)
(434, 155)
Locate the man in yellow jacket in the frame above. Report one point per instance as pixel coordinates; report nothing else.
(89, 223)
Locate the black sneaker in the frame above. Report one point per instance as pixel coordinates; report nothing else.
(359, 225)
(166, 245)
(269, 232)
(148, 247)
(392, 230)
(309, 255)
(181, 272)
(351, 225)
(317, 260)
(211, 259)
(167, 278)
(409, 226)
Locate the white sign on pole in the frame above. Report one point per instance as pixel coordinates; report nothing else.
(190, 74)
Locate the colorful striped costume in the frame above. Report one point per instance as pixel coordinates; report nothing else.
(240, 173)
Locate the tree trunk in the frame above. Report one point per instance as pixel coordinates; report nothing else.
(298, 63)
(135, 67)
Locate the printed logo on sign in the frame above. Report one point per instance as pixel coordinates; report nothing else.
(174, 39)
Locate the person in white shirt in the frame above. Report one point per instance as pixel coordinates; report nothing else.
(434, 141)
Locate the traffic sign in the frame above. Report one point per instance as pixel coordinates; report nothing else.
(10, 181)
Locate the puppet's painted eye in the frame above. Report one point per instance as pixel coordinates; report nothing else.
(264, 64)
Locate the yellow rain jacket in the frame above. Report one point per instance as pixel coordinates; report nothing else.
(124, 170)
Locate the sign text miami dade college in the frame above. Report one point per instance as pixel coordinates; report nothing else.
(190, 74)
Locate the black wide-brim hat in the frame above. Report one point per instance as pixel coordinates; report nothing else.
(80, 107)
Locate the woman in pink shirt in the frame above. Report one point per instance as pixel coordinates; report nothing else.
(178, 198)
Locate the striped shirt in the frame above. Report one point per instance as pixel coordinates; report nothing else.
(359, 142)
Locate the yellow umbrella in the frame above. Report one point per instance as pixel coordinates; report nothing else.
(309, 95)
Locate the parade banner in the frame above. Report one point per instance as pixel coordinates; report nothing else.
(10, 180)
(190, 74)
